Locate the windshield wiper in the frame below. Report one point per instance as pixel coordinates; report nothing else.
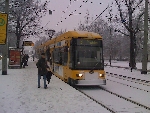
(92, 70)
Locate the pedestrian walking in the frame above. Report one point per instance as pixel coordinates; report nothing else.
(42, 69)
(33, 56)
(26, 61)
(23, 61)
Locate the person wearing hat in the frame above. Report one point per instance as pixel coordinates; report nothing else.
(42, 69)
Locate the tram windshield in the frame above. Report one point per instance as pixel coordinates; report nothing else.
(88, 54)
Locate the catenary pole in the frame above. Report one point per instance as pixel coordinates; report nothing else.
(5, 47)
(145, 55)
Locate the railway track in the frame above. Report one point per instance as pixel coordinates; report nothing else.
(132, 79)
(127, 99)
(100, 103)
(112, 110)
(128, 85)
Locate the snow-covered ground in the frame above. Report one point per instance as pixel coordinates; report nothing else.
(127, 72)
(19, 94)
(129, 89)
(126, 88)
(126, 64)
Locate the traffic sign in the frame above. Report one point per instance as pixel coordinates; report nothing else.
(3, 27)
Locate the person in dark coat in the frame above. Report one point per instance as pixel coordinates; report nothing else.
(23, 61)
(42, 69)
(26, 61)
(49, 74)
(33, 56)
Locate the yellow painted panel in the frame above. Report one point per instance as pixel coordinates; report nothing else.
(3, 28)
(2, 38)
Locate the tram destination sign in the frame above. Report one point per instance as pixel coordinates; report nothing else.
(89, 42)
(3, 28)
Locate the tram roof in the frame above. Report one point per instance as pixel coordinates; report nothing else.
(74, 34)
(80, 34)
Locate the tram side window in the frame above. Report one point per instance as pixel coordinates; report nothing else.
(65, 55)
(72, 54)
(61, 55)
(71, 57)
(57, 56)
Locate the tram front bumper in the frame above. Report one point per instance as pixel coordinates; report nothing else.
(90, 82)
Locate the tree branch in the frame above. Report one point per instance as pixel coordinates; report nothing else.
(126, 3)
(2, 3)
(28, 22)
(138, 20)
(137, 5)
(121, 16)
(116, 30)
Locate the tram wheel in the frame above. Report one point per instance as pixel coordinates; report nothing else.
(71, 82)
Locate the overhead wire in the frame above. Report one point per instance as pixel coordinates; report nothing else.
(72, 13)
(66, 9)
(62, 14)
(101, 13)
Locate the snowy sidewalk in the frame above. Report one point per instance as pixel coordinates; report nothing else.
(19, 94)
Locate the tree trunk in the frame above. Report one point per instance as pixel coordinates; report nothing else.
(18, 38)
(132, 63)
(18, 33)
(132, 51)
(17, 45)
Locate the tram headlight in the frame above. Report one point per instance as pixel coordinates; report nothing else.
(79, 75)
(101, 75)
(1, 57)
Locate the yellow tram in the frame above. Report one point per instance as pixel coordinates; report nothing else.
(77, 57)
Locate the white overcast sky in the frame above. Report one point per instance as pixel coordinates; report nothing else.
(95, 7)
(71, 22)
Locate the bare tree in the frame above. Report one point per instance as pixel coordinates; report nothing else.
(130, 19)
(2, 6)
(25, 17)
(44, 39)
(81, 27)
